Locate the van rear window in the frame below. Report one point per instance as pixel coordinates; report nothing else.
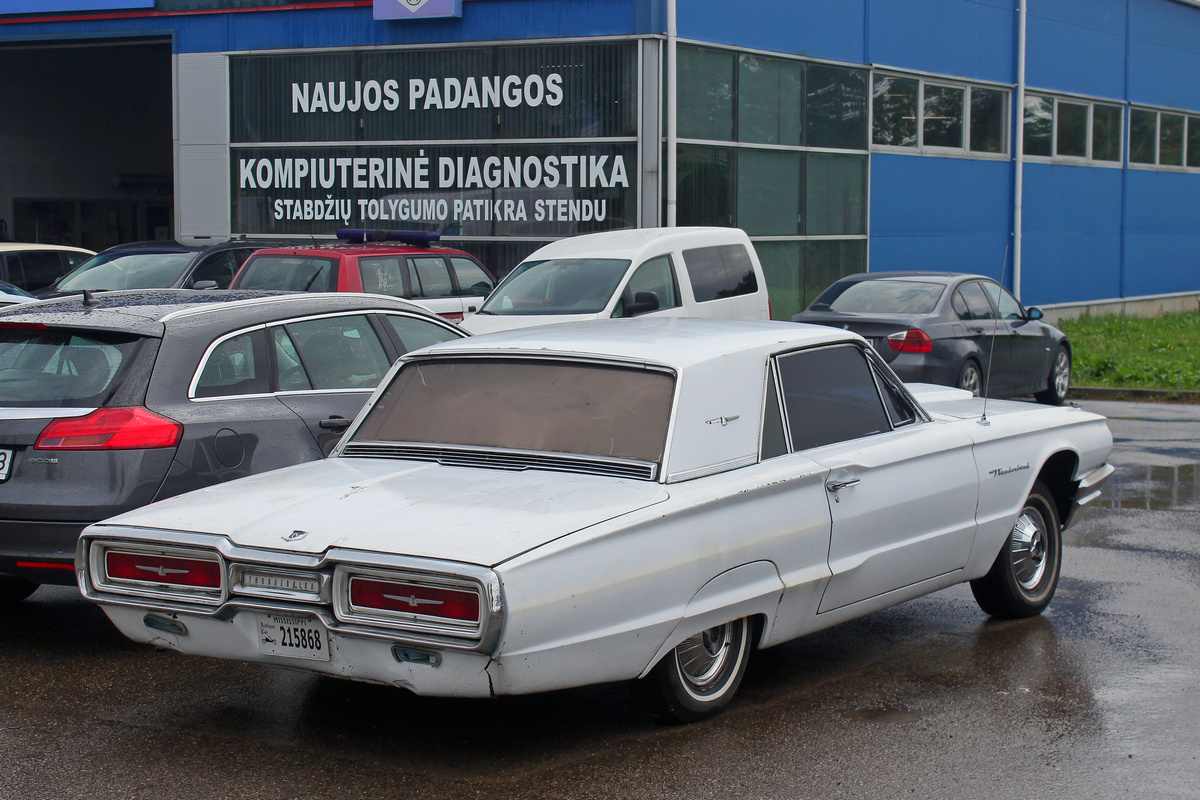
(721, 271)
(48, 368)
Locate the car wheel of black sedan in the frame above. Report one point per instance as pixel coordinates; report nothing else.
(1059, 381)
(700, 676)
(14, 590)
(1024, 576)
(969, 378)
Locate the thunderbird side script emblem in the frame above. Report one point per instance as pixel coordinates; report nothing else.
(162, 571)
(414, 601)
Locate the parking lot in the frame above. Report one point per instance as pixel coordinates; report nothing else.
(928, 699)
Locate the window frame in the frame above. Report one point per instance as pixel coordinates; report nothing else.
(1089, 159)
(968, 88)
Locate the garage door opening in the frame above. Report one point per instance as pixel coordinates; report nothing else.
(87, 132)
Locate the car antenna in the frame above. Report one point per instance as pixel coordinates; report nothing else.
(987, 378)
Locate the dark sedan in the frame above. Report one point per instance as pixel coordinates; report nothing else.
(112, 401)
(952, 329)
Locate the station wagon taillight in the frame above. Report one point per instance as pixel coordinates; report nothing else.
(911, 341)
(191, 573)
(416, 599)
(132, 428)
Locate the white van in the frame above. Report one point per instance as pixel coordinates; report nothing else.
(673, 272)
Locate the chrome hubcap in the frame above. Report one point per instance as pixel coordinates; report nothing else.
(703, 657)
(1062, 374)
(1027, 546)
(970, 381)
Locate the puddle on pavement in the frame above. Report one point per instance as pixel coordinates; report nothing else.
(886, 714)
(1152, 487)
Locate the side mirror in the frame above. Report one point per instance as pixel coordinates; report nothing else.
(205, 285)
(643, 303)
(1033, 313)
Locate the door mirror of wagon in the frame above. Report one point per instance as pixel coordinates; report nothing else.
(1033, 313)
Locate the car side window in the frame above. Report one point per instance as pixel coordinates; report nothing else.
(381, 275)
(236, 366)
(42, 268)
(290, 375)
(830, 395)
(472, 280)
(429, 277)
(975, 301)
(899, 408)
(414, 333)
(720, 271)
(219, 268)
(656, 277)
(1008, 305)
(339, 352)
(774, 442)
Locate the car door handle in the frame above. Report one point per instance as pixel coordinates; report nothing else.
(834, 486)
(976, 333)
(336, 424)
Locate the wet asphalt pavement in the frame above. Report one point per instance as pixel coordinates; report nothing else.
(1098, 698)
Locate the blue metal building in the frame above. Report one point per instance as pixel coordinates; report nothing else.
(1054, 144)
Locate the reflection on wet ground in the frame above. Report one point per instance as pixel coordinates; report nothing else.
(1152, 487)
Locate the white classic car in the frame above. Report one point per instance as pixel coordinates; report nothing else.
(641, 499)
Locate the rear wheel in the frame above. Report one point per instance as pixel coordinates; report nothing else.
(699, 678)
(1024, 576)
(969, 378)
(1059, 381)
(14, 590)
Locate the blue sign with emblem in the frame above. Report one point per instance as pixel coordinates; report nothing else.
(417, 9)
(58, 6)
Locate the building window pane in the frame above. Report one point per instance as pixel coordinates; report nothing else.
(1193, 142)
(1170, 139)
(1143, 135)
(706, 181)
(943, 116)
(835, 195)
(770, 100)
(987, 120)
(1106, 133)
(826, 261)
(1039, 123)
(783, 269)
(894, 103)
(836, 107)
(1072, 129)
(705, 94)
(768, 192)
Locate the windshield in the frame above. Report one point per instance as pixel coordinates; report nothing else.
(43, 368)
(539, 405)
(557, 286)
(288, 273)
(880, 297)
(127, 271)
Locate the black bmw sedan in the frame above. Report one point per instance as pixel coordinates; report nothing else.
(952, 329)
(111, 401)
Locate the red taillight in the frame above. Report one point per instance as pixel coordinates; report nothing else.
(194, 573)
(911, 341)
(414, 598)
(134, 428)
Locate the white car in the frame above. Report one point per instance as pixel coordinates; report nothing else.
(646, 499)
(667, 272)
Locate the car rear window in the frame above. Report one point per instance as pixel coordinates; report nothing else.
(289, 273)
(885, 297)
(47, 368)
(537, 405)
(127, 271)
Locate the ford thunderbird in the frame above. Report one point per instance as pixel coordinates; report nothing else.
(644, 500)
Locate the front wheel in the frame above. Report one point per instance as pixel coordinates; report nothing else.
(1024, 576)
(1059, 381)
(699, 678)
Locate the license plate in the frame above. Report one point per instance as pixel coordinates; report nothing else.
(5, 463)
(292, 635)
